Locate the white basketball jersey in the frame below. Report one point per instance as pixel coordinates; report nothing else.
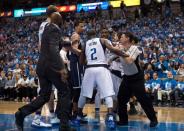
(41, 29)
(95, 52)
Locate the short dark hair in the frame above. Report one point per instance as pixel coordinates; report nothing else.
(51, 9)
(120, 34)
(135, 39)
(155, 73)
(77, 22)
(91, 33)
(130, 36)
(104, 29)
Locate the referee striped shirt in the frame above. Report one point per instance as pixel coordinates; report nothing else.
(131, 69)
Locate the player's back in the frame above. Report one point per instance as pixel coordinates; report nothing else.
(95, 52)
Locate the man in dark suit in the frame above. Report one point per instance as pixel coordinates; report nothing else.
(50, 70)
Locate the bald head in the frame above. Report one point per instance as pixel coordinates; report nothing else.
(56, 18)
(51, 9)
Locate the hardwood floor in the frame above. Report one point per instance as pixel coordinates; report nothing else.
(165, 114)
(170, 119)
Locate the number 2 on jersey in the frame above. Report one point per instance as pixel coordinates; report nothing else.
(93, 52)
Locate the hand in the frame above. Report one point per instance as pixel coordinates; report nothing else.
(75, 37)
(124, 54)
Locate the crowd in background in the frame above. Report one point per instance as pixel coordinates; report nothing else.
(161, 40)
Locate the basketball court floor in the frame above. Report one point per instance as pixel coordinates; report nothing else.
(170, 119)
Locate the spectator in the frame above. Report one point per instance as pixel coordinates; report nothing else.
(155, 86)
(178, 93)
(167, 87)
(181, 70)
(2, 85)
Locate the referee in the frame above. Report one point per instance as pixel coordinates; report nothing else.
(133, 81)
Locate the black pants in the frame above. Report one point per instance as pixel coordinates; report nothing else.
(134, 85)
(155, 96)
(176, 94)
(23, 92)
(34, 92)
(13, 93)
(76, 94)
(2, 92)
(64, 99)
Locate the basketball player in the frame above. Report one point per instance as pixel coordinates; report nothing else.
(96, 75)
(76, 69)
(133, 81)
(37, 119)
(114, 66)
(116, 70)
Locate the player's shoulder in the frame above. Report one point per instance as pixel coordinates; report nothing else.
(135, 48)
(42, 25)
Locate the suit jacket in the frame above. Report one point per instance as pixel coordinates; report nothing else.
(49, 58)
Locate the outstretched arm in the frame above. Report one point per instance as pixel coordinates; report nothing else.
(113, 49)
(75, 38)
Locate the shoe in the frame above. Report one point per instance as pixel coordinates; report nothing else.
(66, 128)
(19, 121)
(176, 104)
(40, 124)
(153, 123)
(97, 117)
(83, 115)
(54, 120)
(110, 121)
(75, 122)
(120, 123)
(83, 121)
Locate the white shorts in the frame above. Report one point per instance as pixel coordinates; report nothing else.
(100, 78)
(116, 83)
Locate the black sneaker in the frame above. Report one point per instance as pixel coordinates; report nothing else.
(66, 128)
(75, 115)
(120, 123)
(19, 121)
(83, 115)
(153, 123)
(83, 121)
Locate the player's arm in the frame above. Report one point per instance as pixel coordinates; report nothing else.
(75, 50)
(82, 58)
(75, 38)
(113, 49)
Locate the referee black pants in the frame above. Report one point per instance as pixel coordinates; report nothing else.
(64, 96)
(134, 85)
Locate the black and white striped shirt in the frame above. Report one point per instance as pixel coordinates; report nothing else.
(131, 69)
